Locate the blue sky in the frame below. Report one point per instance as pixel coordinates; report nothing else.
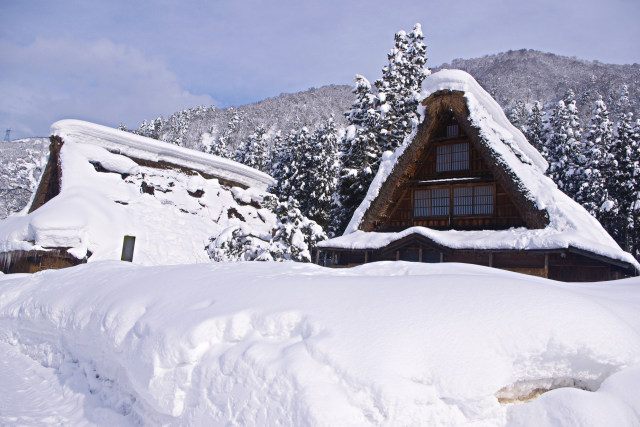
(124, 61)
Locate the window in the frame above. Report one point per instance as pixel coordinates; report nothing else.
(431, 202)
(452, 157)
(463, 201)
(483, 200)
(453, 130)
(466, 201)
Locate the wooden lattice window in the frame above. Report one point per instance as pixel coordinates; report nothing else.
(476, 200)
(452, 157)
(463, 200)
(457, 200)
(483, 200)
(453, 130)
(431, 202)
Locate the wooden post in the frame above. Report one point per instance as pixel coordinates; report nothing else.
(490, 259)
(546, 264)
(366, 257)
(398, 255)
(441, 256)
(318, 256)
(420, 254)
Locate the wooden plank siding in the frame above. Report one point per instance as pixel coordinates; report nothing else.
(560, 265)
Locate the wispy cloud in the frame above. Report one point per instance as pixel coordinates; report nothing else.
(99, 80)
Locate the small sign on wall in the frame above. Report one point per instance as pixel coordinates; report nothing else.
(127, 248)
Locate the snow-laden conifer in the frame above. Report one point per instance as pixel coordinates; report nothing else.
(564, 148)
(597, 164)
(519, 115)
(293, 239)
(322, 173)
(221, 146)
(536, 128)
(399, 88)
(254, 151)
(624, 185)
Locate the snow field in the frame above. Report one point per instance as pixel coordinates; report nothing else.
(390, 343)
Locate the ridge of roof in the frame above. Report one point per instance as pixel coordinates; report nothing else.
(137, 146)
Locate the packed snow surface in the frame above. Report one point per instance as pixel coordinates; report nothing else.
(141, 147)
(570, 225)
(392, 343)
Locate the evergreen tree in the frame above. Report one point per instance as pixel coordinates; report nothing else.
(321, 174)
(399, 88)
(359, 154)
(623, 105)
(221, 148)
(535, 128)
(564, 148)
(253, 151)
(519, 115)
(624, 185)
(289, 161)
(598, 164)
(379, 123)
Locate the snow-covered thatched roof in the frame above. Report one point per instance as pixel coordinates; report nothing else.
(555, 220)
(141, 147)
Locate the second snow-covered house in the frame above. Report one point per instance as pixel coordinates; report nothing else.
(101, 184)
(467, 187)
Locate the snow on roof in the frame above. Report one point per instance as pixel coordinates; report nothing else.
(172, 214)
(570, 225)
(141, 147)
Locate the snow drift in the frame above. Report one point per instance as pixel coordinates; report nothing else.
(292, 344)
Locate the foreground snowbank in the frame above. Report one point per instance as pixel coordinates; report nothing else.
(386, 343)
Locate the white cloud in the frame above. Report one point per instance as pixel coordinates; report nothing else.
(98, 80)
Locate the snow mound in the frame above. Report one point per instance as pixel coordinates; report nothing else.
(390, 343)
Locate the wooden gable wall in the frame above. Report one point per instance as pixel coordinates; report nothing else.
(456, 186)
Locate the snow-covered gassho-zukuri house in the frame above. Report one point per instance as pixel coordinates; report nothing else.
(101, 184)
(467, 187)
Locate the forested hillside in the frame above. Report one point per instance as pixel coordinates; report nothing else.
(529, 76)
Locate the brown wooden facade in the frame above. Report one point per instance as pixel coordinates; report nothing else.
(449, 178)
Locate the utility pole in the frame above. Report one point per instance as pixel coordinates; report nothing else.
(7, 135)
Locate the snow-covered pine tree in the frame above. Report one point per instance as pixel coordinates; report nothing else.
(399, 88)
(536, 129)
(624, 184)
(289, 161)
(597, 165)
(253, 151)
(221, 147)
(293, 239)
(623, 104)
(359, 154)
(519, 115)
(321, 173)
(564, 147)
(296, 236)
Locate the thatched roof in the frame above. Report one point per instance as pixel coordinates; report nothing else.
(553, 220)
(437, 106)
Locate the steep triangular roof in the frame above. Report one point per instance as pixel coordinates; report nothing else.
(554, 220)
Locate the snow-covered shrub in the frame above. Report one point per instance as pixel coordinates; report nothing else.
(292, 239)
